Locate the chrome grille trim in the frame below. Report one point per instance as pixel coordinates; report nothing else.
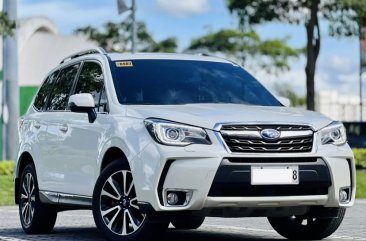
(241, 138)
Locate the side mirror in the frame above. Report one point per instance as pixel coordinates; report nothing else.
(83, 103)
(283, 100)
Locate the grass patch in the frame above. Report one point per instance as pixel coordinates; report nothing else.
(361, 184)
(6, 190)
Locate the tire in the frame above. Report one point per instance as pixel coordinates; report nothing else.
(115, 209)
(188, 222)
(304, 228)
(35, 217)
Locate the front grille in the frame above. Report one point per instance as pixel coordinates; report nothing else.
(247, 138)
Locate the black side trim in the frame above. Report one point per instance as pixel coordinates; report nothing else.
(16, 190)
(351, 177)
(163, 175)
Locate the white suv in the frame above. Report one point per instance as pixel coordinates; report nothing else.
(145, 140)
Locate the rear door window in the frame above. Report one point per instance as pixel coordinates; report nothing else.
(62, 88)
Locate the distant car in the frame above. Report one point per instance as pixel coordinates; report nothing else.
(145, 140)
(356, 133)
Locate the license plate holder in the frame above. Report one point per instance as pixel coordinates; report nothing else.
(275, 175)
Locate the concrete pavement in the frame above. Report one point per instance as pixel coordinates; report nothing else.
(79, 225)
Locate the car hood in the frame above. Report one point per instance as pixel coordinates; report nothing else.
(209, 115)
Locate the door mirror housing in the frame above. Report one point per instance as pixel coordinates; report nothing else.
(83, 103)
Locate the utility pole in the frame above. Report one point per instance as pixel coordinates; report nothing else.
(122, 7)
(134, 28)
(10, 82)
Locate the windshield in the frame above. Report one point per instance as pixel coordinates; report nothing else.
(171, 82)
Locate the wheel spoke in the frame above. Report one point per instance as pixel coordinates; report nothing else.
(24, 208)
(28, 182)
(135, 206)
(132, 219)
(124, 224)
(126, 188)
(114, 218)
(32, 190)
(24, 196)
(31, 211)
(105, 212)
(110, 181)
(24, 188)
(105, 193)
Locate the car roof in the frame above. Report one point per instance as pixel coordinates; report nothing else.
(165, 56)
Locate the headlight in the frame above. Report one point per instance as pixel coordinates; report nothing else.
(174, 134)
(335, 134)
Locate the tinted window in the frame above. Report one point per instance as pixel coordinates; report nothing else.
(44, 91)
(91, 81)
(61, 90)
(165, 82)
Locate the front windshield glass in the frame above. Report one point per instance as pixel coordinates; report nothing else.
(172, 82)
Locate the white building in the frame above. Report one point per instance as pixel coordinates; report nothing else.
(41, 48)
(340, 107)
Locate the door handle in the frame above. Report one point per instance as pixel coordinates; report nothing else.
(37, 125)
(63, 128)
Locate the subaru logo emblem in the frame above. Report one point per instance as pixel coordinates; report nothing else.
(270, 134)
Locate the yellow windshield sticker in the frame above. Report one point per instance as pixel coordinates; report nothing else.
(124, 64)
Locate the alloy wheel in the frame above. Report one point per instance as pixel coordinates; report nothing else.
(27, 199)
(118, 204)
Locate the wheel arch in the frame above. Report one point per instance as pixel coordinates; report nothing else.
(111, 155)
(24, 159)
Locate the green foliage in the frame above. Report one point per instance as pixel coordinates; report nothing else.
(360, 156)
(116, 37)
(286, 90)
(6, 25)
(347, 18)
(361, 184)
(6, 190)
(245, 47)
(6, 167)
(342, 14)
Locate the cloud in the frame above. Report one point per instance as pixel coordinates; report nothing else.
(68, 14)
(183, 8)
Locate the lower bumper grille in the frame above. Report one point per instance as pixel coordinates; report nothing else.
(234, 180)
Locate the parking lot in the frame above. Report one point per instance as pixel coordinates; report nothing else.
(79, 225)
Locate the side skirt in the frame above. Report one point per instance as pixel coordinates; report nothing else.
(66, 201)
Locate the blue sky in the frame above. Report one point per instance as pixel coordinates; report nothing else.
(337, 65)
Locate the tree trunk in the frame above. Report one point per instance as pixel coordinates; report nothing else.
(312, 50)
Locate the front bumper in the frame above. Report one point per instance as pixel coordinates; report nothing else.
(159, 168)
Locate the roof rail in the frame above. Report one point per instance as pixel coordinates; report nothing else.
(97, 50)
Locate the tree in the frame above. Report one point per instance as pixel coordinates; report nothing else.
(305, 12)
(287, 91)
(271, 55)
(349, 18)
(6, 25)
(116, 37)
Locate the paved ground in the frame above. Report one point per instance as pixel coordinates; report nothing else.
(79, 225)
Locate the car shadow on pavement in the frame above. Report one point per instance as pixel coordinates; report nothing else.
(91, 234)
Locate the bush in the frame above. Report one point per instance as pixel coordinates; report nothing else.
(360, 156)
(6, 167)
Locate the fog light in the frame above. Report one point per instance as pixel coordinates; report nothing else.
(172, 198)
(344, 195)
